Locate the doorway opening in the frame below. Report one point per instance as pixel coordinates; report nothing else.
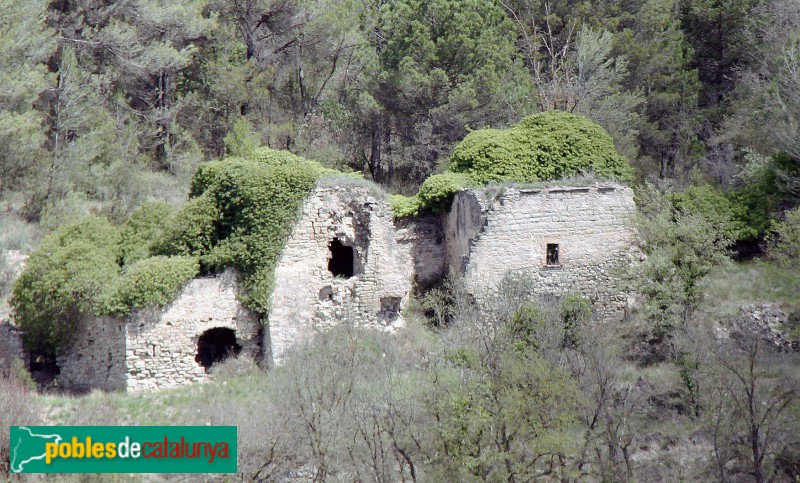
(215, 345)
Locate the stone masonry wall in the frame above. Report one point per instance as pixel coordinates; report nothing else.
(307, 296)
(96, 359)
(592, 227)
(162, 343)
(157, 348)
(423, 240)
(11, 347)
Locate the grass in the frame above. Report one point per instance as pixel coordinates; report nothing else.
(198, 404)
(345, 181)
(728, 288)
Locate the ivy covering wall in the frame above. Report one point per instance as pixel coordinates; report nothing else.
(239, 214)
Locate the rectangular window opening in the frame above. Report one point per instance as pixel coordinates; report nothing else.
(552, 254)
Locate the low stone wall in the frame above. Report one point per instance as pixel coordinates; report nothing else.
(11, 347)
(158, 348)
(591, 227)
(308, 296)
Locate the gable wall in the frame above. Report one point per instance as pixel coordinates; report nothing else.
(307, 296)
(592, 227)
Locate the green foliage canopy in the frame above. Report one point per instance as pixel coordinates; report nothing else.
(147, 282)
(63, 280)
(541, 147)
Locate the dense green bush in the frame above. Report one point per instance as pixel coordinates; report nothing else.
(241, 213)
(144, 230)
(438, 190)
(404, 206)
(524, 325)
(786, 239)
(193, 229)
(576, 312)
(724, 210)
(149, 282)
(63, 280)
(545, 146)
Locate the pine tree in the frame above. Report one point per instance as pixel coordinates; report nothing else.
(25, 45)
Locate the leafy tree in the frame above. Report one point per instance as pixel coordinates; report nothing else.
(26, 43)
(682, 246)
(81, 132)
(787, 239)
(502, 404)
(659, 59)
(718, 31)
(442, 66)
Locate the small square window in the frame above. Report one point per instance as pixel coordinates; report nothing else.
(552, 254)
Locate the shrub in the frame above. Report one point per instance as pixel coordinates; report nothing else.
(575, 313)
(403, 206)
(713, 205)
(524, 325)
(193, 229)
(143, 230)
(786, 239)
(149, 282)
(437, 191)
(545, 146)
(62, 281)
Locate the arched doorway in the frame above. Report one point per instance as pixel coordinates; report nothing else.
(216, 345)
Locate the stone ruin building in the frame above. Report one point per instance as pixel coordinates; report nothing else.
(163, 347)
(347, 259)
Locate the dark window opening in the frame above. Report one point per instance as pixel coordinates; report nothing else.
(552, 254)
(215, 345)
(342, 262)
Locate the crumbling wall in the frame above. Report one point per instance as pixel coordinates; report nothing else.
(590, 227)
(308, 296)
(96, 359)
(157, 348)
(424, 242)
(162, 343)
(11, 347)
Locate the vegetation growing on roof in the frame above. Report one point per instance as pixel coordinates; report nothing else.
(542, 147)
(64, 279)
(148, 282)
(240, 214)
(549, 145)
